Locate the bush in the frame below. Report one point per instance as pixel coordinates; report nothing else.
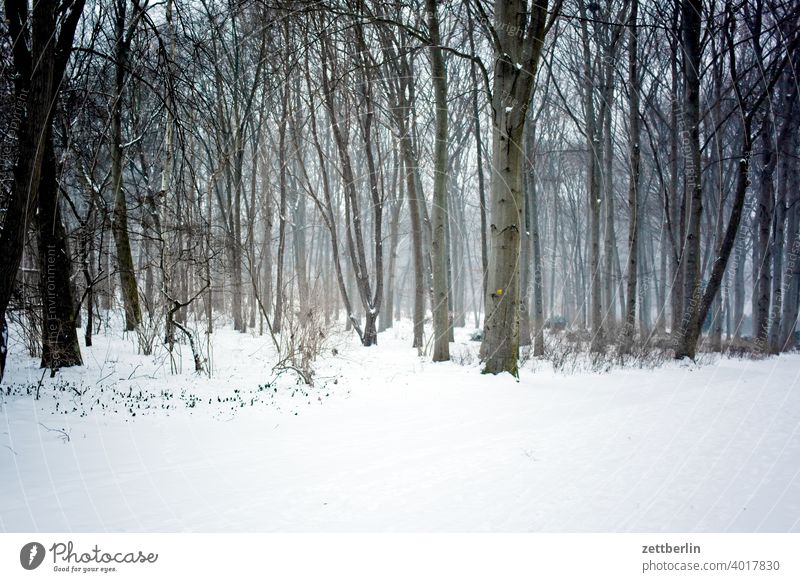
(556, 323)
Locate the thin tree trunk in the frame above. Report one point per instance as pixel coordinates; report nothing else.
(633, 186)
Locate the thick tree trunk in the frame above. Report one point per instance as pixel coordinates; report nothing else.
(35, 89)
(691, 15)
(511, 97)
(60, 346)
(127, 275)
(440, 306)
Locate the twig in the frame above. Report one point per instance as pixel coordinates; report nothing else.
(39, 384)
(63, 434)
(134, 371)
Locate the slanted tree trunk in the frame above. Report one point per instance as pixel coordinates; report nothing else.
(400, 88)
(688, 344)
(370, 298)
(747, 110)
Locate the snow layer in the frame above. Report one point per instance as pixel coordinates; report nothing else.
(387, 441)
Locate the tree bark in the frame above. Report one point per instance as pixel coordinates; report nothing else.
(511, 96)
(633, 186)
(60, 346)
(35, 90)
(441, 312)
(127, 274)
(691, 15)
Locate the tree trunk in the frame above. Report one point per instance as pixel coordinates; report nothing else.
(511, 97)
(633, 186)
(441, 312)
(594, 161)
(277, 320)
(60, 347)
(778, 233)
(35, 89)
(386, 319)
(416, 241)
(478, 134)
(789, 183)
(127, 275)
(688, 344)
(762, 255)
(691, 14)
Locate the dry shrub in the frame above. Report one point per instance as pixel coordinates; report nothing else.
(303, 339)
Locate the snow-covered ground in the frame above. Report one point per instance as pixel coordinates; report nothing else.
(388, 441)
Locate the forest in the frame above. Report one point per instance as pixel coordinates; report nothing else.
(625, 171)
(399, 265)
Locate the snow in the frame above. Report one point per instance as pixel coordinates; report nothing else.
(388, 441)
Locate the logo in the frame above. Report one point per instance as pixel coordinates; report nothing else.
(31, 555)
